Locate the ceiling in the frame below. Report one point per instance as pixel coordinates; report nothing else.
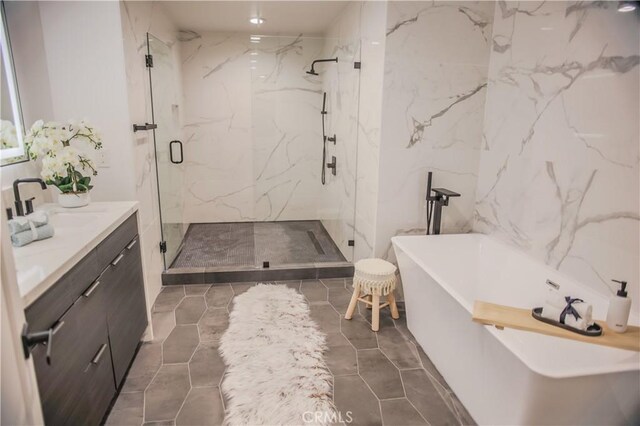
(281, 17)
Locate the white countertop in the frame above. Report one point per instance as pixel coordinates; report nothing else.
(77, 231)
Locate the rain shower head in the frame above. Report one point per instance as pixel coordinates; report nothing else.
(312, 71)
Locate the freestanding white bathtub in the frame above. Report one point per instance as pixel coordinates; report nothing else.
(510, 377)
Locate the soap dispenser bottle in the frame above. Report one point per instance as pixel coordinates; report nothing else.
(619, 308)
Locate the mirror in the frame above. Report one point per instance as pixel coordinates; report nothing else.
(12, 148)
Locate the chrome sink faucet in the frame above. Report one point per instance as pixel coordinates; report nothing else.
(20, 211)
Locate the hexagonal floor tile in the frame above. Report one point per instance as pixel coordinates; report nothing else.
(196, 289)
(314, 291)
(202, 407)
(219, 296)
(380, 374)
(206, 365)
(190, 310)
(355, 401)
(180, 344)
(399, 350)
(213, 324)
(168, 298)
(147, 363)
(166, 393)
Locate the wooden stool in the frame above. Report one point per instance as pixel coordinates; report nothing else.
(374, 278)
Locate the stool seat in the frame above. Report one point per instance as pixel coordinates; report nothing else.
(375, 276)
(372, 279)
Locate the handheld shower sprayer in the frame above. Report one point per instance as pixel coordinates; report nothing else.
(312, 71)
(324, 138)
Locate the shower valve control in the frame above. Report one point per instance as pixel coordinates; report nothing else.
(332, 165)
(333, 139)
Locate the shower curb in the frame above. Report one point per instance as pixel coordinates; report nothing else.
(185, 276)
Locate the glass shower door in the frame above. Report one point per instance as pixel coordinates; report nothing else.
(165, 100)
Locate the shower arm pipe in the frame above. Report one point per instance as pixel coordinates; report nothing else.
(313, 64)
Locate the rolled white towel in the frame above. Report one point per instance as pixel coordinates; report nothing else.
(555, 299)
(555, 305)
(585, 310)
(551, 312)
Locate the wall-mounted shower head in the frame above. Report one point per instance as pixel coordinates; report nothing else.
(312, 71)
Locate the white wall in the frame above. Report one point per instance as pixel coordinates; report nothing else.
(559, 171)
(79, 74)
(85, 62)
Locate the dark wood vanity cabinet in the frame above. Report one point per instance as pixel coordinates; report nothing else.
(98, 314)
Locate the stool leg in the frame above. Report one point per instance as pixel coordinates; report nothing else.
(391, 298)
(369, 299)
(375, 314)
(353, 303)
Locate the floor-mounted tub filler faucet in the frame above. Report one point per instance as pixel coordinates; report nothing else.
(435, 202)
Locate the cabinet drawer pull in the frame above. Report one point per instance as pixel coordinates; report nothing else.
(118, 259)
(96, 359)
(57, 327)
(92, 288)
(132, 243)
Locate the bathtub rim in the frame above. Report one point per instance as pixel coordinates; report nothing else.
(398, 241)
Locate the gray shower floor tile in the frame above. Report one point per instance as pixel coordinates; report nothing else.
(252, 243)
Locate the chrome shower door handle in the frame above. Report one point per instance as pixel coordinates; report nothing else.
(171, 144)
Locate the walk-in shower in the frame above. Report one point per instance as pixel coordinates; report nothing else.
(237, 149)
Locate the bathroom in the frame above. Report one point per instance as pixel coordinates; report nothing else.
(254, 178)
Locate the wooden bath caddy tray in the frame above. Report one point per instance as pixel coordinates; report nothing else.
(502, 316)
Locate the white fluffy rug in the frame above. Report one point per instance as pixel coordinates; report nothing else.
(275, 371)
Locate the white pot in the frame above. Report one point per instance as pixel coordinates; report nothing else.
(70, 200)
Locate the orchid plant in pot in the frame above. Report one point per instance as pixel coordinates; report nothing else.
(65, 164)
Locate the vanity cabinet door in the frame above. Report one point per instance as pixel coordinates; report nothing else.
(126, 312)
(59, 383)
(73, 389)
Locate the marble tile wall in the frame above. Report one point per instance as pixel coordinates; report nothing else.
(559, 166)
(252, 128)
(435, 84)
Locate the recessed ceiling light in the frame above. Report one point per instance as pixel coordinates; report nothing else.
(254, 53)
(256, 20)
(626, 6)
(546, 28)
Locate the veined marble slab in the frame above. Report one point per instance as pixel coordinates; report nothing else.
(559, 169)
